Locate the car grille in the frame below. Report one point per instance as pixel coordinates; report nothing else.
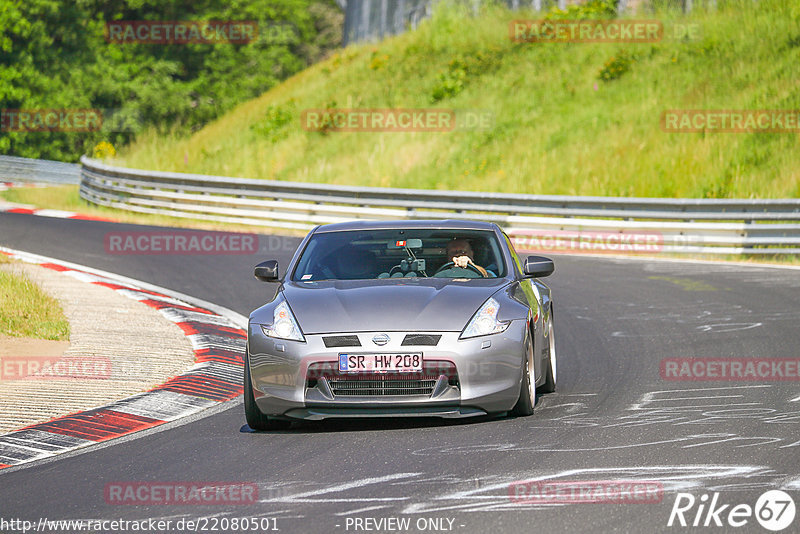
(421, 339)
(341, 341)
(382, 384)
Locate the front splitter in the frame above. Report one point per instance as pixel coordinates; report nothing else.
(320, 413)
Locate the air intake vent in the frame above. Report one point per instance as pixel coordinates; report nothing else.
(341, 341)
(421, 339)
(382, 384)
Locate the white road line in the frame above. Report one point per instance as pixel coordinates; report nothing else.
(359, 510)
(695, 398)
(346, 486)
(795, 399)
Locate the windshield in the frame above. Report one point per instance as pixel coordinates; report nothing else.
(376, 254)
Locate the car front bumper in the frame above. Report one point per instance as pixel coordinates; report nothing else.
(483, 376)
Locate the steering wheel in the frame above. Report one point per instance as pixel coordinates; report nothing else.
(451, 264)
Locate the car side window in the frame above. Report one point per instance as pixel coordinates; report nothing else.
(514, 255)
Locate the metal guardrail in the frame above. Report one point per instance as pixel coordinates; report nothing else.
(725, 226)
(17, 169)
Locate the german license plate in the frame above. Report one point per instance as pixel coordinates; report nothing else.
(380, 363)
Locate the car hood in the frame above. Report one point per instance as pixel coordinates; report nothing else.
(423, 304)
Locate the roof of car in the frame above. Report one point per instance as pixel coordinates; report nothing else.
(435, 224)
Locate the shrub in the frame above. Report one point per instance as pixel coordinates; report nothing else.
(273, 126)
(594, 9)
(103, 150)
(616, 66)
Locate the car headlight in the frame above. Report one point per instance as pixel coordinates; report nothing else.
(284, 325)
(485, 322)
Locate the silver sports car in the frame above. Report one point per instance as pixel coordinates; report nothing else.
(400, 318)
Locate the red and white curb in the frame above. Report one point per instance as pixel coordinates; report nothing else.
(60, 214)
(4, 186)
(217, 336)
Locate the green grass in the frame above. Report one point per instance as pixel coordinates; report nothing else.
(558, 128)
(57, 197)
(27, 311)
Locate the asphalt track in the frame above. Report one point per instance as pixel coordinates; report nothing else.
(613, 417)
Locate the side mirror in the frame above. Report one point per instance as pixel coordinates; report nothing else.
(267, 271)
(538, 266)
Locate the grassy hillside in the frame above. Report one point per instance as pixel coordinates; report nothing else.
(559, 127)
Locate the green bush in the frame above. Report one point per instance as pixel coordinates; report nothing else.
(451, 82)
(616, 66)
(594, 9)
(55, 56)
(273, 125)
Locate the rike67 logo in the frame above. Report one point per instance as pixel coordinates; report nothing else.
(774, 510)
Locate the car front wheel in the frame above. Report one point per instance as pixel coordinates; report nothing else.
(527, 391)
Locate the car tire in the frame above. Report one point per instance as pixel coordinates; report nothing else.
(255, 419)
(551, 375)
(527, 390)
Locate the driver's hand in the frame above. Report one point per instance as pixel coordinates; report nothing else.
(461, 261)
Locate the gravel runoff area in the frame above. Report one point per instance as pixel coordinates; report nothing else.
(131, 346)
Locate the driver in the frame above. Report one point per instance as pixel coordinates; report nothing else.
(459, 251)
